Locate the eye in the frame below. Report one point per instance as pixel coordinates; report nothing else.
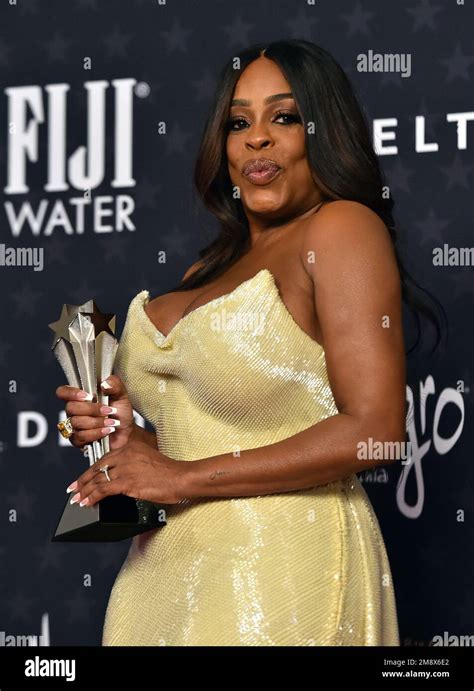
(290, 118)
(234, 121)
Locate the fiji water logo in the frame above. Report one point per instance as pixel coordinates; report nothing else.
(34, 108)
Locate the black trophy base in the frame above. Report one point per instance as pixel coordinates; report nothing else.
(114, 518)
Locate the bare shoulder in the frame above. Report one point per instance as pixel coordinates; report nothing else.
(343, 220)
(346, 232)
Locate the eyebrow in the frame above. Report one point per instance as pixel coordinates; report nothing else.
(269, 99)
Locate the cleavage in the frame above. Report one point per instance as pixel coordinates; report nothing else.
(192, 306)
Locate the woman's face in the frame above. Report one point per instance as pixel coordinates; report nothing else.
(263, 124)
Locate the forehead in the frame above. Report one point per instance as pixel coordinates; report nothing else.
(261, 78)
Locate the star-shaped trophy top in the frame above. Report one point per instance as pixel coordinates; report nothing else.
(102, 321)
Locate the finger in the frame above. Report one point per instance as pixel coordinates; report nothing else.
(114, 387)
(84, 408)
(94, 471)
(83, 437)
(72, 393)
(101, 490)
(85, 488)
(81, 422)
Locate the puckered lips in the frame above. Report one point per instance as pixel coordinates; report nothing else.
(260, 171)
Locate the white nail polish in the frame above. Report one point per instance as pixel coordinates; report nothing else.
(105, 384)
(113, 411)
(89, 397)
(110, 429)
(115, 423)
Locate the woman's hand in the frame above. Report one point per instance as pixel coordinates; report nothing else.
(93, 420)
(135, 470)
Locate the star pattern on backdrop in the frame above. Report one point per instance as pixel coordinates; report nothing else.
(204, 86)
(176, 37)
(458, 65)
(177, 140)
(117, 43)
(303, 24)
(58, 47)
(238, 31)
(431, 228)
(399, 176)
(22, 500)
(147, 194)
(424, 14)
(25, 300)
(457, 173)
(358, 20)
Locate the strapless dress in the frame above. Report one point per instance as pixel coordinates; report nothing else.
(300, 568)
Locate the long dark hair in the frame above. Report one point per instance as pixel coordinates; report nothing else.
(340, 154)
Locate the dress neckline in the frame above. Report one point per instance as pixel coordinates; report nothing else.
(214, 302)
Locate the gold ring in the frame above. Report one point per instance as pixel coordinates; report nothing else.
(66, 428)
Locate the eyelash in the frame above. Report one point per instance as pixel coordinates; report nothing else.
(294, 117)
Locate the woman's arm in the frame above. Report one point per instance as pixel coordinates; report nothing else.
(358, 302)
(143, 435)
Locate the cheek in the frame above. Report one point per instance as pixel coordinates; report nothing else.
(232, 150)
(296, 147)
(298, 156)
(303, 169)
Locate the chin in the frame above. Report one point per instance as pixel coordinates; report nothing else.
(260, 202)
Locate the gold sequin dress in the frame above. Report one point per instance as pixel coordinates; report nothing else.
(300, 568)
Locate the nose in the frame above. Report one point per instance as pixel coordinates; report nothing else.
(257, 143)
(258, 137)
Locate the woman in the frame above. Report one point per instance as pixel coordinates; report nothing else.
(279, 355)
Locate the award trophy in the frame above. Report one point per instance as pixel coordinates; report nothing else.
(85, 346)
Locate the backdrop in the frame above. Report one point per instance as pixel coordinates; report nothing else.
(105, 102)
